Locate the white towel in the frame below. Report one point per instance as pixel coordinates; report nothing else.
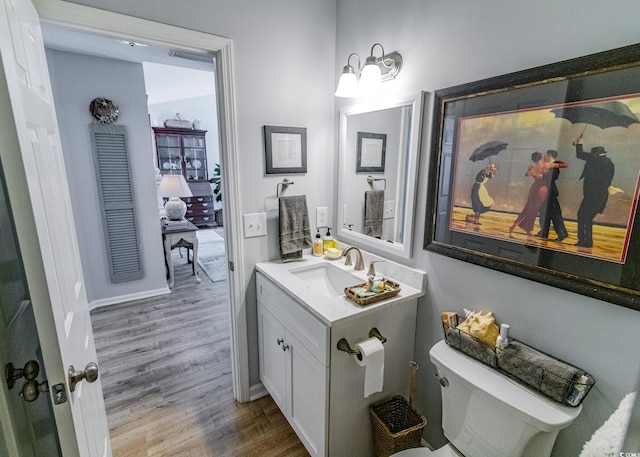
(607, 440)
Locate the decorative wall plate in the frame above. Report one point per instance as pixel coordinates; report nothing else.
(104, 110)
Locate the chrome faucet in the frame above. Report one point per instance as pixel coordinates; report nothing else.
(359, 260)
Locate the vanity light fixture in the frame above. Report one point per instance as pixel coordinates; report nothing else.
(376, 70)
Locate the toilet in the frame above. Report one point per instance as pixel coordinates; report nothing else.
(486, 414)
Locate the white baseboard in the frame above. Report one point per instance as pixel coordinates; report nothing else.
(129, 297)
(257, 391)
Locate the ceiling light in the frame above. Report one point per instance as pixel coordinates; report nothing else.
(131, 43)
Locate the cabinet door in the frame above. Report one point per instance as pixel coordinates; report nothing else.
(169, 153)
(307, 401)
(273, 367)
(195, 157)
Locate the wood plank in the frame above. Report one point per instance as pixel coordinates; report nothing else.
(165, 365)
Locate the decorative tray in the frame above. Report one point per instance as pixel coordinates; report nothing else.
(392, 289)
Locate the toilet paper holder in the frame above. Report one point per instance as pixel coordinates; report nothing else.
(343, 344)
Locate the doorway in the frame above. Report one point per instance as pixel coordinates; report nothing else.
(176, 95)
(84, 18)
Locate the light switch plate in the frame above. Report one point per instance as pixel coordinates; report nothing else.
(255, 225)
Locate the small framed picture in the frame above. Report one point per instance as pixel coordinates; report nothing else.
(371, 152)
(285, 150)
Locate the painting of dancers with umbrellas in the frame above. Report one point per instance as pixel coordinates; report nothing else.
(537, 173)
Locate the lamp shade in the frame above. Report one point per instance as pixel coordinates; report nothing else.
(347, 85)
(173, 187)
(371, 77)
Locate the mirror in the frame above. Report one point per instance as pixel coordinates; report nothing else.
(378, 157)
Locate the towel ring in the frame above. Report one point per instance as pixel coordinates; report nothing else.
(371, 180)
(285, 183)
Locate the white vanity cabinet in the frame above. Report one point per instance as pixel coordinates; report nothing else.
(318, 387)
(293, 363)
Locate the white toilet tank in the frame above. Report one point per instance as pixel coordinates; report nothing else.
(486, 414)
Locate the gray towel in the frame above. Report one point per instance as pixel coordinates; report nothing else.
(294, 227)
(373, 211)
(550, 376)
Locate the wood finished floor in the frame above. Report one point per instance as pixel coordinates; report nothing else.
(166, 374)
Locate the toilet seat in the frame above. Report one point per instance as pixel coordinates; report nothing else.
(445, 451)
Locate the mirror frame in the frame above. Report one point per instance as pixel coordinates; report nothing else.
(404, 249)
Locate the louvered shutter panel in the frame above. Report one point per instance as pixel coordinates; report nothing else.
(116, 200)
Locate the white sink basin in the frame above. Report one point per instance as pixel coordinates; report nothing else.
(325, 279)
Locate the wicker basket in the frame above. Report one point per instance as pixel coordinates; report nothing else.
(396, 426)
(393, 289)
(178, 122)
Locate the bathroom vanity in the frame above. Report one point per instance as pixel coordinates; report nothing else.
(302, 314)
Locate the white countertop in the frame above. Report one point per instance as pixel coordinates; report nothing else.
(331, 310)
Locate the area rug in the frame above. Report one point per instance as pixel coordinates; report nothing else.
(212, 258)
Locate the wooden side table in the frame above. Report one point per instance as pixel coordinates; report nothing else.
(183, 235)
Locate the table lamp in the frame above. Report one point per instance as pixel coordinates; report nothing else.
(173, 187)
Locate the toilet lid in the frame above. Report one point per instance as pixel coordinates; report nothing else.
(445, 451)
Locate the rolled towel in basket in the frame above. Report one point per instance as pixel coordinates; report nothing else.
(550, 376)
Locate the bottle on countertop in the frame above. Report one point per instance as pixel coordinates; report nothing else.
(327, 241)
(317, 244)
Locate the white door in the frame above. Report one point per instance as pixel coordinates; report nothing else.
(38, 192)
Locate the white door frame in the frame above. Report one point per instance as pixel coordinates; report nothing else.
(94, 20)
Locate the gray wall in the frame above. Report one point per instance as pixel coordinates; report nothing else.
(76, 80)
(449, 43)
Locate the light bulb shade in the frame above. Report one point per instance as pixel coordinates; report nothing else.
(347, 85)
(371, 77)
(175, 209)
(174, 186)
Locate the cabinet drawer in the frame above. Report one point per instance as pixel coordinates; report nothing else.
(199, 200)
(197, 211)
(312, 333)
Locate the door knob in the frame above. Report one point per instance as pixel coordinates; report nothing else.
(30, 371)
(32, 388)
(90, 374)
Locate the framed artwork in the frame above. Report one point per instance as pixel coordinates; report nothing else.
(536, 174)
(371, 152)
(285, 150)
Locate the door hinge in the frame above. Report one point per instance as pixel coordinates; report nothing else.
(231, 266)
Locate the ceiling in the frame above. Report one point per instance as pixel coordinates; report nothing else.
(166, 70)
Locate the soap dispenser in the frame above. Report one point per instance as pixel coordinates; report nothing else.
(327, 241)
(317, 244)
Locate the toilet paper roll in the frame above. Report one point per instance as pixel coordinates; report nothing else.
(371, 357)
